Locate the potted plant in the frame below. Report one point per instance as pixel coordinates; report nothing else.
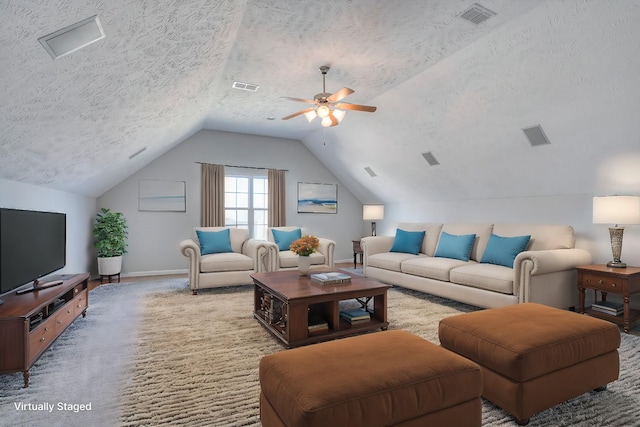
(110, 232)
(304, 247)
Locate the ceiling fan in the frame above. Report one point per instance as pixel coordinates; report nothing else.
(327, 106)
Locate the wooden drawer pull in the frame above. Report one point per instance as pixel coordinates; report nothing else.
(42, 339)
(600, 281)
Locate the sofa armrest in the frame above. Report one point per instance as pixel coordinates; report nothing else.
(191, 250)
(534, 263)
(272, 259)
(372, 245)
(258, 251)
(326, 248)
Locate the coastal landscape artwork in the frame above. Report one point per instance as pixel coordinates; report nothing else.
(317, 198)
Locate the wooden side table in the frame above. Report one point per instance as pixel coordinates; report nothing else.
(357, 250)
(619, 281)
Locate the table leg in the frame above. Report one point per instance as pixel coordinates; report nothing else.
(581, 300)
(625, 315)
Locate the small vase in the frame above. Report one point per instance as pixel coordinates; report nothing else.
(304, 265)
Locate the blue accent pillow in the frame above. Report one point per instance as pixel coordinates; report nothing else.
(284, 239)
(408, 242)
(455, 246)
(503, 250)
(214, 242)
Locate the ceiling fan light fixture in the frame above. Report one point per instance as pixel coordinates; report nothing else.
(326, 122)
(310, 115)
(323, 111)
(339, 114)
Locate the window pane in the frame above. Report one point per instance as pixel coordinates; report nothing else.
(230, 184)
(259, 201)
(260, 185)
(260, 232)
(259, 217)
(243, 185)
(243, 216)
(243, 200)
(230, 217)
(230, 200)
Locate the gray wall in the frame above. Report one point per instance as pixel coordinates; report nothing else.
(154, 236)
(80, 212)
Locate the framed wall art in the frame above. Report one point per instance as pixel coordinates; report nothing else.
(317, 198)
(162, 196)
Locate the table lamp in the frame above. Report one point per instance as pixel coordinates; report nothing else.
(616, 210)
(372, 213)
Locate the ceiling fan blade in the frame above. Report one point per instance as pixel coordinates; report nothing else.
(356, 107)
(342, 93)
(334, 121)
(308, 101)
(297, 114)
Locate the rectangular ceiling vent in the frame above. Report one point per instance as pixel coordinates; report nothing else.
(477, 14)
(536, 136)
(430, 158)
(245, 86)
(73, 37)
(370, 171)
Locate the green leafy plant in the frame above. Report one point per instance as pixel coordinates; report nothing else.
(110, 232)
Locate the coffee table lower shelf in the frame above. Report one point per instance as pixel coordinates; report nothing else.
(345, 329)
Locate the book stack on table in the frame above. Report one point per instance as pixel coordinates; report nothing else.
(331, 278)
(355, 316)
(317, 325)
(608, 307)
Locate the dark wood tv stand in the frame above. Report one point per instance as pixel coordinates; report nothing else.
(31, 322)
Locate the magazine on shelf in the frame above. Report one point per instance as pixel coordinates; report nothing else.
(331, 278)
(353, 316)
(609, 305)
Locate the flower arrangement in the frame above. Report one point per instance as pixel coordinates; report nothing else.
(305, 246)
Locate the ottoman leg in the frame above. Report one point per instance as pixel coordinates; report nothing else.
(522, 422)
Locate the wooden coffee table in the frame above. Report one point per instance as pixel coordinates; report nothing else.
(284, 300)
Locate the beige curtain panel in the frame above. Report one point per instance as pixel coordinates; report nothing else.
(277, 205)
(212, 196)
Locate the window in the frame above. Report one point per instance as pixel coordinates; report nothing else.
(246, 204)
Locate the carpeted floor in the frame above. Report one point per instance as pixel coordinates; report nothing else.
(153, 354)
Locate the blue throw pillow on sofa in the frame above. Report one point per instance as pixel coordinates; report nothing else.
(408, 242)
(284, 239)
(455, 246)
(503, 250)
(214, 242)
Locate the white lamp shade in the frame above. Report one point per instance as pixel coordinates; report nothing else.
(616, 210)
(339, 114)
(310, 115)
(323, 111)
(372, 212)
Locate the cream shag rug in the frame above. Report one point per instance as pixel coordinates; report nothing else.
(197, 363)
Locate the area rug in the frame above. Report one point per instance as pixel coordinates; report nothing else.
(197, 363)
(152, 354)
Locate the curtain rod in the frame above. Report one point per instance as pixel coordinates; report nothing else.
(243, 167)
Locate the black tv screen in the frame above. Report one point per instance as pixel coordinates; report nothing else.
(32, 245)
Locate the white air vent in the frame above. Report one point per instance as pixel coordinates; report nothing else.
(536, 136)
(245, 86)
(370, 171)
(477, 14)
(73, 37)
(430, 158)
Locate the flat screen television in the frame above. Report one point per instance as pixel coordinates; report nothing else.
(32, 245)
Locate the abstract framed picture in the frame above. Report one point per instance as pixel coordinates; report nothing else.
(162, 196)
(317, 198)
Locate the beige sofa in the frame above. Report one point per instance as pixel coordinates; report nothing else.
(234, 267)
(544, 272)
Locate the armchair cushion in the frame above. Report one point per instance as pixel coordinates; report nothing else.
(214, 242)
(284, 239)
(229, 261)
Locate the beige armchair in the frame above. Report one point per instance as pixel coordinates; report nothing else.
(280, 257)
(221, 259)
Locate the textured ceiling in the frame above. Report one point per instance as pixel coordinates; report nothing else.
(441, 84)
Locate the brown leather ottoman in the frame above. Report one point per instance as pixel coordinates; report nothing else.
(533, 356)
(390, 378)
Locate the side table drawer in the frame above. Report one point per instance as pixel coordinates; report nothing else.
(602, 283)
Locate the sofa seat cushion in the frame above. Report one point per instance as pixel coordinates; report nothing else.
(230, 261)
(390, 260)
(289, 259)
(491, 277)
(432, 267)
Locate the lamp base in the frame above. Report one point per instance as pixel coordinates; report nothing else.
(616, 264)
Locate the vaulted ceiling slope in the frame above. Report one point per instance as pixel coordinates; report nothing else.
(442, 84)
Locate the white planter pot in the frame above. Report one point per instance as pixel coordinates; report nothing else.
(304, 265)
(109, 266)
